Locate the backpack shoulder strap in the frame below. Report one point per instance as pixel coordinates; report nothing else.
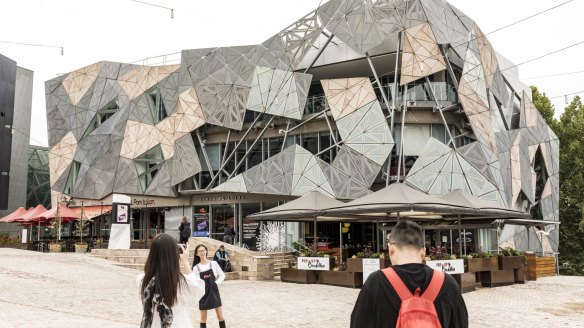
(434, 287)
(400, 288)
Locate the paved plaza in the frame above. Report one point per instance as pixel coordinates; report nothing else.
(77, 290)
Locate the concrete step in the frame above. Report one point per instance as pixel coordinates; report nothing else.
(140, 267)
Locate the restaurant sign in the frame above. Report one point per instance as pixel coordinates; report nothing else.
(447, 266)
(314, 263)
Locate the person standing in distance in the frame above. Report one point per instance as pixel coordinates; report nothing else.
(228, 234)
(164, 290)
(213, 276)
(184, 230)
(378, 304)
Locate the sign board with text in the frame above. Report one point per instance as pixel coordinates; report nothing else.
(314, 263)
(447, 266)
(369, 266)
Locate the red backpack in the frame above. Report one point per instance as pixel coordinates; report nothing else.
(416, 310)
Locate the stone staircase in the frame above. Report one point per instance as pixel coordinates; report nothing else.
(136, 258)
(246, 264)
(282, 260)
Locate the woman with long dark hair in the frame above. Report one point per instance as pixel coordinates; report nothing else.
(213, 276)
(163, 288)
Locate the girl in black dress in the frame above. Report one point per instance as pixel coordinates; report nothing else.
(213, 276)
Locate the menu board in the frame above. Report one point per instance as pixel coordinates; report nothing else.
(251, 232)
(201, 221)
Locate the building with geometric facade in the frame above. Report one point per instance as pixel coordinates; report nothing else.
(351, 97)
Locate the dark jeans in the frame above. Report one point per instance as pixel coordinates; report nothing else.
(228, 239)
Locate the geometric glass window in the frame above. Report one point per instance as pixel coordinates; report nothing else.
(156, 104)
(38, 190)
(102, 115)
(148, 165)
(72, 178)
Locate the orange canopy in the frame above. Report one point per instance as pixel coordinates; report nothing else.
(30, 215)
(19, 212)
(89, 212)
(65, 213)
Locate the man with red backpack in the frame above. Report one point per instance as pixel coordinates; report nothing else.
(409, 294)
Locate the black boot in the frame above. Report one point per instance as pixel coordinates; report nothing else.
(222, 324)
(203, 325)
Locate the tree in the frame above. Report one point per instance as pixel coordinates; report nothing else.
(569, 129)
(544, 106)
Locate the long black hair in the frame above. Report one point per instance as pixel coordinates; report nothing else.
(163, 262)
(197, 259)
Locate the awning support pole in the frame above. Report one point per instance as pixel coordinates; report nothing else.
(459, 237)
(340, 243)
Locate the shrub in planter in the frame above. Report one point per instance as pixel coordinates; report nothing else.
(510, 258)
(355, 263)
(477, 262)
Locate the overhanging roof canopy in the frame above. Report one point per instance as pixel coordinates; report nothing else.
(398, 197)
(305, 208)
(90, 212)
(481, 206)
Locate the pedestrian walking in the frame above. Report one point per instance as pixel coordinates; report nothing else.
(409, 293)
(184, 230)
(228, 234)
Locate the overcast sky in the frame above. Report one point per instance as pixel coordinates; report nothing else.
(127, 31)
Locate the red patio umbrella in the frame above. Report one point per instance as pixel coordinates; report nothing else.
(66, 214)
(14, 215)
(60, 212)
(30, 216)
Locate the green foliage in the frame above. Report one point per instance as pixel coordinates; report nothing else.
(438, 253)
(569, 129)
(54, 228)
(480, 255)
(510, 252)
(544, 106)
(80, 228)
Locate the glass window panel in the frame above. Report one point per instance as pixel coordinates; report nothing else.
(325, 142)
(255, 156)
(439, 132)
(310, 142)
(290, 140)
(239, 154)
(214, 156)
(275, 146)
(230, 165)
(415, 138)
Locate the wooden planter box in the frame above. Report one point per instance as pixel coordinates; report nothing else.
(466, 281)
(512, 262)
(341, 278)
(299, 276)
(482, 264)
(538, 267)
(497, 278)
(356, 265)
(519, 275)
